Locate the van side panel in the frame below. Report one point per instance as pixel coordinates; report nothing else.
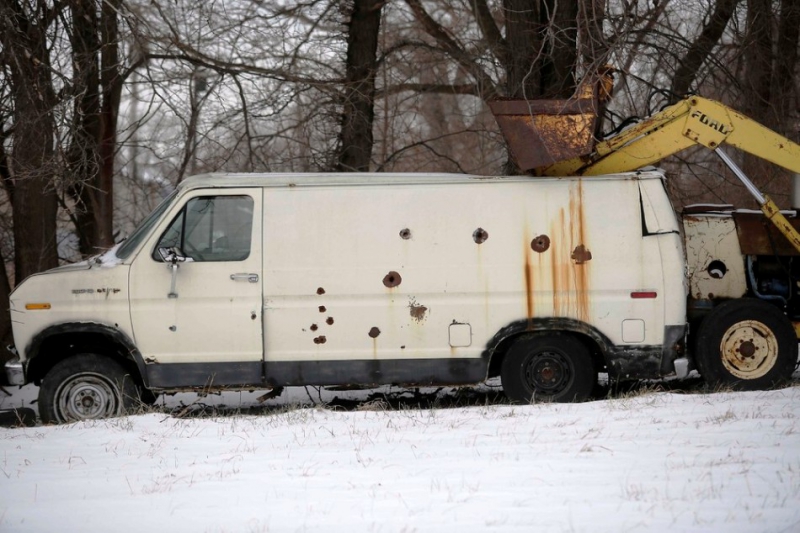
(432, 272)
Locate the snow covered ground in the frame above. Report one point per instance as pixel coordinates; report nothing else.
(653, 461)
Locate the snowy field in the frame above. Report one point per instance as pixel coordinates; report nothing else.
(644, 461)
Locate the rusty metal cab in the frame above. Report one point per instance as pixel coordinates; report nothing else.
(735, 253)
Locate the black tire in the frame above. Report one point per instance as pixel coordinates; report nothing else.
(550, 367)
(746, 344)
(86, 386)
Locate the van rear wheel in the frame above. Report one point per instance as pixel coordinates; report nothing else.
(548, 367)
(86, 387)
(746, 344)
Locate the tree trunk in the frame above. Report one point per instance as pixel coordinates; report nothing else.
(783, 95)
(593, 46)
(32, 159)
(82, 162)
(561, 38)
(524, 44)
(359, 90)
(757, 92)
(111, 82)
(97, 87)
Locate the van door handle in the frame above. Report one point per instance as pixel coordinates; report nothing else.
(252, 278)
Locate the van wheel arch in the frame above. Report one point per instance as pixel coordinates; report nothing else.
(61, 341)
(594, 341)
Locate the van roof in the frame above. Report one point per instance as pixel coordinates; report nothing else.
(219, 179)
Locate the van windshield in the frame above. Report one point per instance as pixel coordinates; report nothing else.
(132, 242)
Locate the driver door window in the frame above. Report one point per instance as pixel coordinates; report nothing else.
(211, 228)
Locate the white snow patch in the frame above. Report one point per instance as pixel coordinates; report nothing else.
(653, 462)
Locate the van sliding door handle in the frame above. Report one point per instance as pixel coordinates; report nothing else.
(252, 278)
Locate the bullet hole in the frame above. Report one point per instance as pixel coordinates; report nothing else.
(313, 327)
(392, 279)
(581, 254)
(374, 332)
(320, 291)
(329, 321)
(717, 269)
(405, 234)
(320, 340)
(480, 235)
(322, 309)
(403, 347)
(541, 243)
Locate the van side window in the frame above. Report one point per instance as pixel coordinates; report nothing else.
(211, 228)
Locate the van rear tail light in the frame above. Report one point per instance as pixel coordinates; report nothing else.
(640, 295)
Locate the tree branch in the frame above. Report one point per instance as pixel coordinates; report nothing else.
(701, 48)
(497, 44)
(434, 29)
(440, 88)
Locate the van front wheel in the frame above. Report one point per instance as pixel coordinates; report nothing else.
(85, 387)
(548, 367)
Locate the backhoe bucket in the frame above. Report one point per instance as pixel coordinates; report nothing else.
(542, 132)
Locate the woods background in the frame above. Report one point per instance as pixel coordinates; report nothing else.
(105, 105)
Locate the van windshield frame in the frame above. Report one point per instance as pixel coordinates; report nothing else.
(131, 243)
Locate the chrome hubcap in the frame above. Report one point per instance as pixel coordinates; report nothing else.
(87, 396)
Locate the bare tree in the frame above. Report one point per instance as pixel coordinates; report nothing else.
(96, 90)
(359, 85)
(32, 161)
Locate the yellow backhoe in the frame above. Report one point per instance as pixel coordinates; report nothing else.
(557, 138)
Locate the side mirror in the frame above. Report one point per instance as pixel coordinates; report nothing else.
(171, 255)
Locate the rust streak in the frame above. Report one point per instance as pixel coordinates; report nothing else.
(559, 277)
(528, 283)
(580, 270)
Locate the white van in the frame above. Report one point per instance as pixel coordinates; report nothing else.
(243, 281)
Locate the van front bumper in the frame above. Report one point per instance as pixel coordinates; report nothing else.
(15, 372)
